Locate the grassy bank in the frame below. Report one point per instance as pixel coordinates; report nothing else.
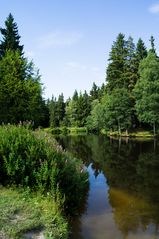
(24, 215)
(133, 134)
(34, 161)
(67, 130)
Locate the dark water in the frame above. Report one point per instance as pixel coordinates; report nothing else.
(123, 198)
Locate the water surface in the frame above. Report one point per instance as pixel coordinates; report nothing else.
(123, 197)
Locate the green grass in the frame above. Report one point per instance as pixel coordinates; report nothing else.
(67, 130)
(78, 130)
(22, 212)
(136, 133)
(49, 178)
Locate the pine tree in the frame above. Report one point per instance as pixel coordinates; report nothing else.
(116, 66)
(53, 113)
(130, 71)
(10, 37)
(75, 96)
(152, 49)
(101, 91)
(83, 109)
(60, 109)
(141, 51)
(94, 92)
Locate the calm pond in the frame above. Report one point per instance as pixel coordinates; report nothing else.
(123, 198)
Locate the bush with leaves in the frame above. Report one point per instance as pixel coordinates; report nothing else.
(35, 160)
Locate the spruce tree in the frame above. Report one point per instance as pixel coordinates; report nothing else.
(10, 37)
(53, 113)
(141, 51)
(116, 67)
(152, 49)
(94, 92)
(60, 109)
(75, 96)
(130, 69)
(83, 109)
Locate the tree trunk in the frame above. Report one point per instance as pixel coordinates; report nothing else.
(119, 129)
(154, 144)
(119, 146)
(126, 132)
(154, 129)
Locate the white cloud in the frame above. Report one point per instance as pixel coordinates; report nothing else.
(154, 8)
(59, 39)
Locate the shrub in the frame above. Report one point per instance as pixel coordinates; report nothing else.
(35, 160)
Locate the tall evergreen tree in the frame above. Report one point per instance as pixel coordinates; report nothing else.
(94, 92)
(101, 91)
(75, 96)
(53, 113)
(141, 51)
(83, 109)
(152, 41)
(10, 37)
(60, 110)
(130, 69)
(116, 65)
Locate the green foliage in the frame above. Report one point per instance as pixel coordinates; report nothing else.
(78, 131)
(118, 110)
(78, 110)
(12, 93)
(152, 40)
(146, 90)
(141, 51)
(60, 110)
(37, 161)
(96, 119)
(21, 90)
(94, 92)
(10, 37)
(116, 66)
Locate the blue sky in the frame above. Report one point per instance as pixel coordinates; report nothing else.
(70, 40)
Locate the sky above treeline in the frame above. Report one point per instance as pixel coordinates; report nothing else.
(70, 40)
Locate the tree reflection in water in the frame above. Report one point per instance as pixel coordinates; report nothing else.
(131, 171)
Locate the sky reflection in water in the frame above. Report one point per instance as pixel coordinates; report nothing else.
(123, 198)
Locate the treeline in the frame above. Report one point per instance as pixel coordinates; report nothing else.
(129, 99)
(75, 111)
